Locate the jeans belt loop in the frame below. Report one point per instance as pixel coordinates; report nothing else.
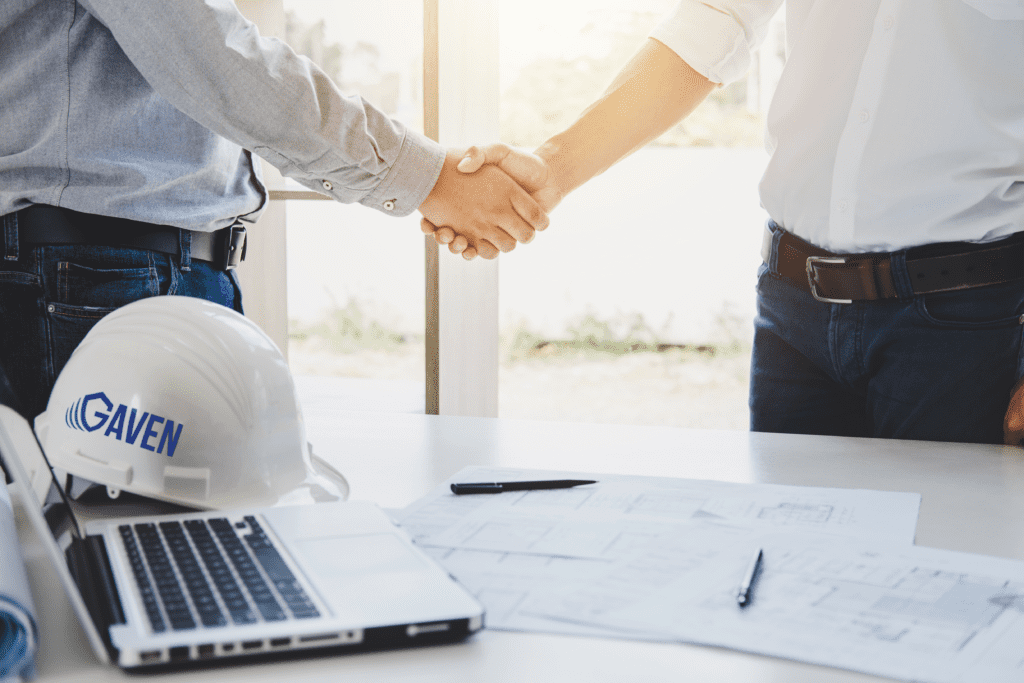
(901, 275)
(185, 244)
(773, 253)
(11, 236)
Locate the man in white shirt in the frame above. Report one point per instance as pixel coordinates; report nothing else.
(891, 300)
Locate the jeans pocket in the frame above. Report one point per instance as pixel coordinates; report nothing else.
(980, 308)
(68, 325)
(16, 278)
(82, 285)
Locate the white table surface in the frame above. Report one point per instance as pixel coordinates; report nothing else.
(973, 501)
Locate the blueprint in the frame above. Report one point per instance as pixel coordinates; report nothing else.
(509, 548)
(504, 582)
(911, 613)
(622, 513)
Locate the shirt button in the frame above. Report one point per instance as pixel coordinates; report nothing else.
(864, 116)
(843, 206)
(888, 23)
(389, 204)
(327, 185)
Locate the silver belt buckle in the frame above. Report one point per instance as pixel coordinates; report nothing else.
(811, 261)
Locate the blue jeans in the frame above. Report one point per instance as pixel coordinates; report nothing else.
(936, 367)
(51, 296)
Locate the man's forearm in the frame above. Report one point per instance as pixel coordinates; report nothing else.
(211, 64)
(653, 92)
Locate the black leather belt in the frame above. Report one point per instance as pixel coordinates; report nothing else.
(845, 278)
(41, 224)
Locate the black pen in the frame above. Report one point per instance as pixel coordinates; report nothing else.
(499, 486)
(749, 577)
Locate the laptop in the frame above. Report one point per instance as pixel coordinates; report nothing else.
(200, 586)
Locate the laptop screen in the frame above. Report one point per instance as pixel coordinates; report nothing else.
(53, 503)
(57, 511)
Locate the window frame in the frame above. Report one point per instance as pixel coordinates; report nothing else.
(460, 102)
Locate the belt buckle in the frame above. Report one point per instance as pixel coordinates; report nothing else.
(234, 247)
(811, 262)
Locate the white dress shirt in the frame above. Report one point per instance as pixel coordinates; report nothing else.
(896, 123)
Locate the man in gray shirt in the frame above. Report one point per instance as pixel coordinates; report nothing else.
(127, 139)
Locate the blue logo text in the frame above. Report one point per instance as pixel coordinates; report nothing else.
(124, 425)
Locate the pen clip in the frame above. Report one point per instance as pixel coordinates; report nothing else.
(476, 488)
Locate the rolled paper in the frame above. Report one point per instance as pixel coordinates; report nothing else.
(19, 636)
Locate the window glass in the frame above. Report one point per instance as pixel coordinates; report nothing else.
(636, 305)
(355, 275)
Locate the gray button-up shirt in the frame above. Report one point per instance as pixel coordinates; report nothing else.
(152, 110)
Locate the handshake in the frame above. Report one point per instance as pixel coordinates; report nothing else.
(489, 198)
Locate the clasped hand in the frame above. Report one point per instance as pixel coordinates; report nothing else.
(488, 199)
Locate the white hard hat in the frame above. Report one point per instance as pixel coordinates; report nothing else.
(184, 400)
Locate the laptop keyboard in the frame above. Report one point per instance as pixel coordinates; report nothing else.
(186, 567)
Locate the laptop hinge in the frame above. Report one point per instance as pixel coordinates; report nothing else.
(90, 567)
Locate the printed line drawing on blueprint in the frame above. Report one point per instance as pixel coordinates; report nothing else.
(911, 613)
(509, 547)
(503, 582)
(689, 564)
(560, 498)
(884, 600)
(796, 513)
(922, 614)
(624, 514)
(596, 539)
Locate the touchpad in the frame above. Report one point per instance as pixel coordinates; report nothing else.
(347, 555)
(369, 577)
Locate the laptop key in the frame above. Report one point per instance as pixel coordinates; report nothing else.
(156, 620)
(266, 603)
(246, 617)
(167, 584)
(274, 565)
(237, 606)
(185, 623)
(271, 611)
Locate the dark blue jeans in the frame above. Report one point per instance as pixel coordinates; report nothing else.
(937, 367)
(51, 296)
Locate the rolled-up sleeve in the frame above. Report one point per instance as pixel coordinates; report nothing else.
(717, 37)
(211, 64)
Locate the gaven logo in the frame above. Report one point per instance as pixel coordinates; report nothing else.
(123, 425)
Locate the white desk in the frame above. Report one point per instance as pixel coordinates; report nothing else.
(973, 500)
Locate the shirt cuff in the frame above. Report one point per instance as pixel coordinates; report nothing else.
(411, 177)
(712, 42)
